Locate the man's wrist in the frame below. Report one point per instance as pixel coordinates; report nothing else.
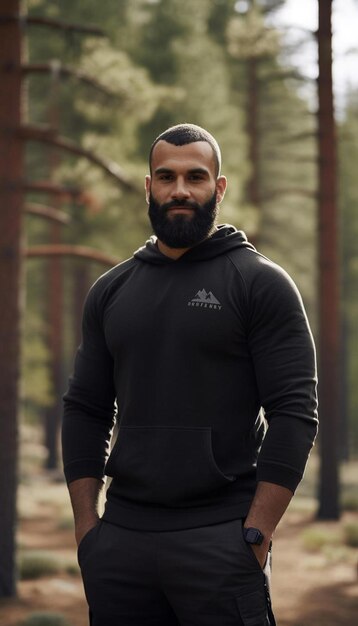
(253, 535)
(258, 541)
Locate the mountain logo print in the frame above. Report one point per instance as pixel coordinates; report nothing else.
(205, 299)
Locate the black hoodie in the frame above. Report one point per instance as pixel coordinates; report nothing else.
(193, 351)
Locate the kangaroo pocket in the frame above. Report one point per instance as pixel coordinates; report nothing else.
(166, 466)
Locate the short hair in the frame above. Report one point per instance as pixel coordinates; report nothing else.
(182, 134)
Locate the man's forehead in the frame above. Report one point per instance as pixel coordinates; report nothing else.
(193, 155)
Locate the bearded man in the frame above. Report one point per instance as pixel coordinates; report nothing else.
(199, 347)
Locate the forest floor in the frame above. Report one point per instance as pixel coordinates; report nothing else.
(315, 576)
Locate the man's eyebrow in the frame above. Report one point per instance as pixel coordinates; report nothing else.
(194, 170)
(163, 170)
(199, 170)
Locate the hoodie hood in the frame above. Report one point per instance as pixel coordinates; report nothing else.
(224, 239)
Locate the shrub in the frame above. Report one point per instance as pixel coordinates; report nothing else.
(37, 564)
(314, 539)
(351, 535)
(45, 619)
(66, 523)
(350, 502)
(72, 568)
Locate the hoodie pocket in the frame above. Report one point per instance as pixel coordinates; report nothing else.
(167, 466)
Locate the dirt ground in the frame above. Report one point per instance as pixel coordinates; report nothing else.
(312, 586)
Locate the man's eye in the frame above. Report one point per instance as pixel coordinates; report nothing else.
(165, 177)
(196, 177)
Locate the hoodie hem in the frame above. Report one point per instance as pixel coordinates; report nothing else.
(160, 519)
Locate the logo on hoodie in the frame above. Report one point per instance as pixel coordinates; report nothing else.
(205, 300)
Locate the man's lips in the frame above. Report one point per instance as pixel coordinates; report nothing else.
(181, 209)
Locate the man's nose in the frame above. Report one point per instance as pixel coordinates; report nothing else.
(180, 189)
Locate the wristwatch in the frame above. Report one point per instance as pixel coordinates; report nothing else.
(253, 535)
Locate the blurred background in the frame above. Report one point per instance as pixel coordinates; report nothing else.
(85, 88)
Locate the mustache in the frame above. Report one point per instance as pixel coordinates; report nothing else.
(185, 204)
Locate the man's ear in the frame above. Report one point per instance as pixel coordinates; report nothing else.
(147, 187)
(221, 184)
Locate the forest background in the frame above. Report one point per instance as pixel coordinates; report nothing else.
(217, 64)
(223, 64)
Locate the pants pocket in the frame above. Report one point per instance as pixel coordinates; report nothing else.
(252, 608)
(86, 542)
(254, 602)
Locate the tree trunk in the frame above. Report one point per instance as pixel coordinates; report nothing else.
(11, 168)
(55, 343)
(329, 333)
(252, 131)
(55, 301)
(253, 183)
(81, 284)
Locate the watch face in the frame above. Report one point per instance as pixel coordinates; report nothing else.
(253, 535)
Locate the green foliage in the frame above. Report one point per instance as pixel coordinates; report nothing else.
(282, 145)
(314, 539)
(66, 523)
(104, 121)
(36, 564)
(45, 619)
(249, 38)
(163, 63)
(350, 502)
(351, 535)
(348, 156)
(37, 392)
(188, 59)
(72, 569)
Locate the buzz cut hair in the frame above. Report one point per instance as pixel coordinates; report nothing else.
(183, 134)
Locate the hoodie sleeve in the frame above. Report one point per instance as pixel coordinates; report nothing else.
(283, 354)
(89, 403)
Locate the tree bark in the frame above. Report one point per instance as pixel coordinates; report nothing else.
(81, 283)
(11, 169)
(329, 324)
(65, 249)
(253, 184)
(54, 299)
(55, 343)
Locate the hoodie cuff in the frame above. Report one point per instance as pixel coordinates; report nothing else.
(86, 468)
(279, 475)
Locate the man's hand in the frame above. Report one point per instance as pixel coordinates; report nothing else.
(83, 527)
(84, 494)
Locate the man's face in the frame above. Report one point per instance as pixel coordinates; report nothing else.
(183, 193)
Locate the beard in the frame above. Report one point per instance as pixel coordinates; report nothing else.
(182, 231)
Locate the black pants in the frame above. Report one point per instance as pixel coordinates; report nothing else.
(206, 576)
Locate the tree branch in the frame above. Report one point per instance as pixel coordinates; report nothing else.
(73, 194)
(299, 136)
(48, 212)
(288, 74)
(51, 23)
(84, 252)
(297, 191)
(45, 134)
(63, 70)
(278, 156)
(44, 186)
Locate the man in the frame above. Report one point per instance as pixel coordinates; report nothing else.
(192, 337)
